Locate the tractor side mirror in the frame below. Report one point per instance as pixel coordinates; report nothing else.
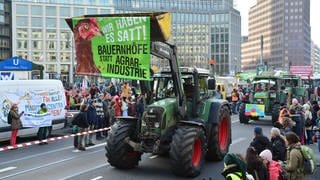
(211, 84)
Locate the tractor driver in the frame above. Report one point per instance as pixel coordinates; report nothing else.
(188, 88)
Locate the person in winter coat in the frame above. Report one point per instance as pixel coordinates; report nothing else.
(15, 123)
(117, 107)
(288, 124)
(274, 167)
(100, 116)
(317, 129)
(82, 122)
(294, 162)
(255, 165)
(235, 167)
(308, 123)
(278, 145)
(92, 120)
(106, 121)
(260, 142)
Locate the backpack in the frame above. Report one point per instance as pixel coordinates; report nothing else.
(309, 160)
(9, 119)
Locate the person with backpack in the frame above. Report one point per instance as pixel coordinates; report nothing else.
(14, 120)
(294, 163)
(274, 167)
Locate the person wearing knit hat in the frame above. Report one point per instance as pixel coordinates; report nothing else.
(260, 142)
(234, 167)
(274, 167)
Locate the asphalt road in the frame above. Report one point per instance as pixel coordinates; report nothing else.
(59, 160)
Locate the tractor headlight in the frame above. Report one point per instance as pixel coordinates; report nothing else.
(156, 125)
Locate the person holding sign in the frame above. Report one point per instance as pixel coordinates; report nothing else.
(42, 132)
(15, 123)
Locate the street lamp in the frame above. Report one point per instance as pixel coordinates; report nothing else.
(72, 66)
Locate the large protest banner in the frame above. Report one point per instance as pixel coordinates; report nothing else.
(113, 46)
(29, 96)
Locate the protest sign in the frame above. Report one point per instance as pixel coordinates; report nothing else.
(113, 46)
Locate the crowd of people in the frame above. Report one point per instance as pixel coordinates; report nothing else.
(99, 109)
(281, 156)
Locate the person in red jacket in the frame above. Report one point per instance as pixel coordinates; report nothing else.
(117, 106)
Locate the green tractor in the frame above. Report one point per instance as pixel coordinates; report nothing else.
(183, 120)
(263, 100)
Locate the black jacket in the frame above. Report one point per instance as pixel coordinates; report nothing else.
(260, 143)
(278, 148)
(82, 120)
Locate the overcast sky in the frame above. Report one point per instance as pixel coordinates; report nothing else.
(244, 5)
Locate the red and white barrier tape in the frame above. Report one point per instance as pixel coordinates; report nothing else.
(51, 139)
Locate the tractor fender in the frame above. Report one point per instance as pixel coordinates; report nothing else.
(195, 122)
(214, 110)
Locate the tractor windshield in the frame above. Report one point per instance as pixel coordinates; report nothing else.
(163, 87)
(264, 85)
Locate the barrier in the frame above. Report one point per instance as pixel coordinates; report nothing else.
(51, 139)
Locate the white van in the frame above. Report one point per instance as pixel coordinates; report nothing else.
(29, 95)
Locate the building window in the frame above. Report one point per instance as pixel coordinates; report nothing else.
(51, 45)
(1, 19)
(22, 21)
(37, 56)
(22, 44)
(92, 11)
(63, 23)
(51, 57)
(65, 11)
(36, 33)
(22, 9)
(22, 33)
(51, 11)
(51, 22)
(36, 10)
(78, 11)
(51, 34)
(37, 45)
(36, 22)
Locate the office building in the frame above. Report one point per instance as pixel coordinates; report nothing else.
(315, 58)
(282, 29)
(5, 29)
(201, 29)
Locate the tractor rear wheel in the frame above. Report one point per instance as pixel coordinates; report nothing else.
(120, 154)
(187, 151)
(220, 136)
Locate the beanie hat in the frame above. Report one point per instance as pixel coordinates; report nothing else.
(231, 158)
(258, 130)
(266, 155)
(42, 104)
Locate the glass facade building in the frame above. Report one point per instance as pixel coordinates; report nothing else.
(201, 29)
(5, 29)
(285, 27)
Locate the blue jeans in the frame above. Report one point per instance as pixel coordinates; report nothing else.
(309, 139)
(234, 107)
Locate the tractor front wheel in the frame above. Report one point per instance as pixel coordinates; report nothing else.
(220, 136)
(187, 151)
(120, 154)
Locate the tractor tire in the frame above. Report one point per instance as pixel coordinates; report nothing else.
(120, 154)
(275, 113)
(187, 151)
(220, 136)
(242, 117)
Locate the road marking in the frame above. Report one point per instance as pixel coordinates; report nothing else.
(97, 145)
(7, 169)
(47, 165)
(238, 140)
(234, 121)
(96, 178)
(153, 157)
(83, 172)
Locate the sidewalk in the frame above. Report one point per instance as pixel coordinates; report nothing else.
(316, 175)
